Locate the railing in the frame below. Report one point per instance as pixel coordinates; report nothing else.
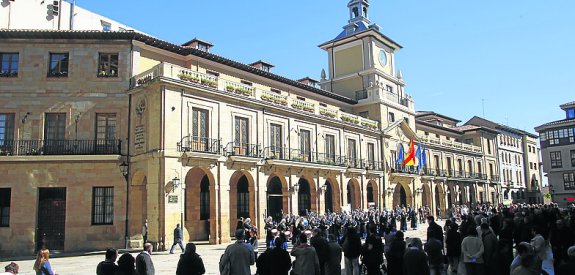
(282, 153)
(354, 163)
(199, 144)
(243, 90)
(495, 178)
(451, 144)
(400, 168)
(60, 147)
(373, 165)
(404, 101)
(243, 149)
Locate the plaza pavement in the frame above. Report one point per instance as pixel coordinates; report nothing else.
(164, 262)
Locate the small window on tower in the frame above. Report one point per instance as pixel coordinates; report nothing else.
(389, 88)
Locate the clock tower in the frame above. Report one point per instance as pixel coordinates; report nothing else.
(361, 65)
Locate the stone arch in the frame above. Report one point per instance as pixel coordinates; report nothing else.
(353, 198)
(277, 194)
(402, 195)
(372, 184)
(426, 196)
(200, 201)
(138, 204)
(335, 194)
(472, 194)
(439, 199)
(242, 192)
(306, 188)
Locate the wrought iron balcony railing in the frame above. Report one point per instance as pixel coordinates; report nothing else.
(243, 149)
(199, 144)
(283, 153)
(60, 147)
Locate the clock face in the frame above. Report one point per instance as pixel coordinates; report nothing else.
(382, 58)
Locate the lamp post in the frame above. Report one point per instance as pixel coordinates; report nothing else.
(177, 183)
(125, 169)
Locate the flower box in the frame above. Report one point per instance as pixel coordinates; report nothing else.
(209, 83)
(326, 113)
(369, 124)
(230, 89)
(243, 91)
(349, 119)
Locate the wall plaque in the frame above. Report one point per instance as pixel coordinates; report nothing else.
(172, 199)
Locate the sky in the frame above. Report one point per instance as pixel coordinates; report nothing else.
(511, 61)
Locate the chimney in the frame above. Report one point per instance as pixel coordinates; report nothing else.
(262, 65)
(309, 81)
(198, 44)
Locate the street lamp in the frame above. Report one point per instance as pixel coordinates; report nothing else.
(125, 169)
(295, 188)
(176, 182)
(419, 190)
(324, 187)
(389, 191)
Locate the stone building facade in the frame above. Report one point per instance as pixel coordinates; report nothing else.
(204, 140)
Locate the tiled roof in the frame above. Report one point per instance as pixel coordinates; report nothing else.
(494, 125)
(557, 122)
(572, 103)
(158, 43)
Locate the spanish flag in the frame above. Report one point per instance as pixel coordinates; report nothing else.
(410, 159)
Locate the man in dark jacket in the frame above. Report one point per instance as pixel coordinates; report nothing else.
(351, 251)
(190, 262)
(415, 260)
(333, 264)
(453, 247)
(372, 253)
(108, 266)
(321, 248)
(144, 264)
(434, 255)
(434, 230)
(279, 260)
(177, 239)
(567, 267)
(490, 249)
(395, 255)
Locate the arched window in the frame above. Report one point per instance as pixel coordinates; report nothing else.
(304, 197)
(369, 193)
(205, 198)
(328, 197)
(355, 12)
(243, 201)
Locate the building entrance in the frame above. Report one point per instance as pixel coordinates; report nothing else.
(50, 231)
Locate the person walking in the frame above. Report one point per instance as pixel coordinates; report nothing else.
(490, 247)
(126, 265)
(395, 255)
(108, 266)
(333, 264)
(453, 247)
(238, 257)
(472, 250)
(351, 251)
(144, 264)
(306, 260)
(178, 236)
(435, 256)
(415, 260)
(434, 230)
(321, 248)
(372, 253)
(190, 262)
(145, 231)
(42, 265)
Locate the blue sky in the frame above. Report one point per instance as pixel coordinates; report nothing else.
(517, 55)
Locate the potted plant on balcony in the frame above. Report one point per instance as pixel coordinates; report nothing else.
(243, 91)
(326, 113)
(349, 119)
(368, 124)
(209, 83)
(230, 88)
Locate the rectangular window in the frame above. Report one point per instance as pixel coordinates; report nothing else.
(569, 181)
(460, 166)
(491, 170)
(371, 155)
(330, 147)
(572, 158)
(241, 136)
(108, 66)
(489, 147)
(276, 140)
(55, 126)
(102, 205)
(389, 88)
(305, 145)
(9, 65)
(247, 83)
(393, 158)
(5, 207)
(212, 73)
(200, 130)
(570, 113)
(106, 127)
(556, 159)
(449, 167)
(437, 164)
(352, 151)
(391, 117)
(6, 129)
(479, 169)
(58, 66)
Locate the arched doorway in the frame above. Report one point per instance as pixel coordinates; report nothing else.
(138, 203)
(353, 195)
(275, 199)
(303, 197)
(439, 198)
(472, 195)
(400, 196)
(370, 196)
(328, 197)
(199, 198)
(426, 196)
(242, 199)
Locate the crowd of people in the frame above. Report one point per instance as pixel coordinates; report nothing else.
(520, 239)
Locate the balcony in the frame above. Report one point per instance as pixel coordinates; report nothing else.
(283, 153)
(263, 94)
(243, 150)
(199, 145)
(59, 147)
(450, 144)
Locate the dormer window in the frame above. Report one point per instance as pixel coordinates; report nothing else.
(265, 68)
(570, 113)
(202, 47)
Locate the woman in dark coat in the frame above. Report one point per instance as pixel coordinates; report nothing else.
(395, 255)
(453, 246)
(126, 265)
(190, 262)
